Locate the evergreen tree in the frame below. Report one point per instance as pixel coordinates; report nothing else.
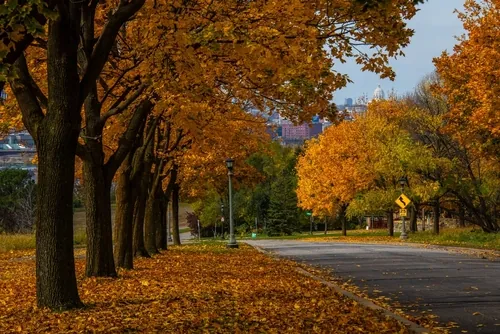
(283, 218)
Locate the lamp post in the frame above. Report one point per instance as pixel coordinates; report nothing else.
(222, 219)
(232, 240)
(402, 181)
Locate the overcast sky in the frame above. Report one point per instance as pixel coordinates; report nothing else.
(436, 26)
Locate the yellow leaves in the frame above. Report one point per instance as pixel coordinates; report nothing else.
(470, 77)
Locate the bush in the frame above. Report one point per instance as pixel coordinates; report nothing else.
(17, 201)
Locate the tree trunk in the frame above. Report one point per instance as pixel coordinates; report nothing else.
(390, 222)
(175, 213)
(423, 219)
(56, 138)
(150, 223)
(461, 216)
(413, 218)
(343, 220)
(55, 268)
(124, 218)
(163, 226)
(435, 210)
(139, 213)
(100, 260)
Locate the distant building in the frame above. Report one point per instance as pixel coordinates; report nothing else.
(378, 94)
(348, 102)
(17, 141)
(17, 150)
(300, 133)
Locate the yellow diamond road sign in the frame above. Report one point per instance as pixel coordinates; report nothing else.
(403, 201)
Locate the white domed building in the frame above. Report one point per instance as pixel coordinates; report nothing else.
(378, 94)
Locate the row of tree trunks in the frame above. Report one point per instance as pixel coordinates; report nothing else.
(54, 121)
(140, 223)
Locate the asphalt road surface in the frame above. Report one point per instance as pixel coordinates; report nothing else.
(456, 287)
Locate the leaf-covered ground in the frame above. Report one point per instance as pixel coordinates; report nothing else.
(189, 289)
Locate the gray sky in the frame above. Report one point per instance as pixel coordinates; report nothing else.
(435, 28)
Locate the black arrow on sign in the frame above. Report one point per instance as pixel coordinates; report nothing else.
(402, 200)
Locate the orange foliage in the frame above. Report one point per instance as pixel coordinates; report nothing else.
(334, 168)
(471, 76)
(192, 288)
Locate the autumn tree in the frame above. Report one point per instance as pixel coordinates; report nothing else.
(463, 174)
(470, 79)
(334, 169)
(54, 121)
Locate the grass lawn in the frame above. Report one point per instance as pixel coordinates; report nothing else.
(184, 230)
(459, 237)
(10, 242)
(189, 289)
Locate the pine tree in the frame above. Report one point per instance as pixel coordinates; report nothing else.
(282, 213)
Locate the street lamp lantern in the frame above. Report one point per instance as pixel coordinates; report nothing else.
(232, 239)
(229, 164)
(402, 182)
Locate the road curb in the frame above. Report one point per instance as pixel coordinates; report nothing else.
(413, 327)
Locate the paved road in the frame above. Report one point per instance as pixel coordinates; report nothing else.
(185, 237)
(453, 286)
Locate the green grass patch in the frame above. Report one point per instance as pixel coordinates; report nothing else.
(459, 237)
(11, 242)
(320, 234)
(184, 230)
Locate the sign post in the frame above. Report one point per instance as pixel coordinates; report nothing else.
(402, 201)
(309, 213)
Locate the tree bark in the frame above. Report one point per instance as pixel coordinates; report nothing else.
(100, 260)
(150, 222)
(390, 222)
(56, 135)
(139, 213)
(435, 210)
(162, 240)
(413, 218)
(124, 219)
(461, 216)
(343, 219)
(175, 209)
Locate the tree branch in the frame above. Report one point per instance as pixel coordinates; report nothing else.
(103, 46)
(26, 97)
(127, 139)
(124, 105)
